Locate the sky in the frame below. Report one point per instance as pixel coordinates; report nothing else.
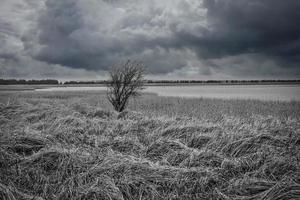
(175, 39)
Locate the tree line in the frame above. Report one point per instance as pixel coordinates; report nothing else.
(56, 82)
(222, 81)
(28, 82)
(191, 81)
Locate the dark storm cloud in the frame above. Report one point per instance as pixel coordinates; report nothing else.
(96, 34)
(231, 27)
(257, 38)
(269, 27)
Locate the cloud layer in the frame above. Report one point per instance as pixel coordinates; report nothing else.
(175, 38)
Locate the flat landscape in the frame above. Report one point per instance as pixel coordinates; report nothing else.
(73, 145)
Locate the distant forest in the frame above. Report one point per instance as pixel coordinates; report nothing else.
(28, 82)
(56, 82)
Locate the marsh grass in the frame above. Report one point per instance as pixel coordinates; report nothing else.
(74, 146)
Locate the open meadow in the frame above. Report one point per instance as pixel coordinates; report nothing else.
(73, 145)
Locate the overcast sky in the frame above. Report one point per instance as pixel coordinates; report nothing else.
(176, 39)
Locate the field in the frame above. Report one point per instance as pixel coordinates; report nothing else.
(72, 145)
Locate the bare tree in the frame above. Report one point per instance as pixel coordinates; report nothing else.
(126, 81)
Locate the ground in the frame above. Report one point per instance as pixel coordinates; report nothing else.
(72, 145)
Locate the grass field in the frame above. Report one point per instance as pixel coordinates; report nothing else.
(72, 145)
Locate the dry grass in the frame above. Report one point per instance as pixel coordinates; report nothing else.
(74, 146)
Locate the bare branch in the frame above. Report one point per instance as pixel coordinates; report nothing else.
(125, 82)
